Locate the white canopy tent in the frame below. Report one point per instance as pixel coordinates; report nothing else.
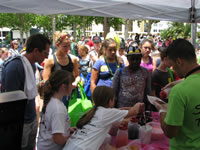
(176, 10)
(169, 10)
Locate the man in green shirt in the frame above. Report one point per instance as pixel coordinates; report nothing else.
(181, 122)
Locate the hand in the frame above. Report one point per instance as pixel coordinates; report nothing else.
(75, 84)
(72, 130)
(161, 106)
(138, 107)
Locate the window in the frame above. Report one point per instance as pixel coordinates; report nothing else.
(155, 24)
(154, 30)
(89, 27)
(5, 33)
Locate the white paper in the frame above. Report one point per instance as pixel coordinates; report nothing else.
(152, 99)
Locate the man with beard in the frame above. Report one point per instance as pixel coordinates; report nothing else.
(132, 84)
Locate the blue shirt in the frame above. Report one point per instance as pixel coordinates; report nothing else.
(105, 77)
(13, 78)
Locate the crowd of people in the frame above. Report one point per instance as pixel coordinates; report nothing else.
(118, 74)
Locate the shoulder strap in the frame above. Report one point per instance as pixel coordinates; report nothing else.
(54, 63)
(171, 74)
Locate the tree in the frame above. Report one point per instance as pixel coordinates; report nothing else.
(21, 22)
(177, 30)
(111, 22)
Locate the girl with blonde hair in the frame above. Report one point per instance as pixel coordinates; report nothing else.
(62, 60)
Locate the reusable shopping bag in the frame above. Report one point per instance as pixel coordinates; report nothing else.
(78, 106)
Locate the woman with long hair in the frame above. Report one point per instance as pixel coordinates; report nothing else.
(54, 126)
(105, 68)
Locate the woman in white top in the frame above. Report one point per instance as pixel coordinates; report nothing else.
(94, 126)
(54, 124)
(14, 48)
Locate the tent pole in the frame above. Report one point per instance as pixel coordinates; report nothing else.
(193, 33)
(193, 23)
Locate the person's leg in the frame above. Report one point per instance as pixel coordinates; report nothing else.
(25, 136)
(31, 136)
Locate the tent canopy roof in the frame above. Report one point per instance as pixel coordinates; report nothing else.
(176, 10)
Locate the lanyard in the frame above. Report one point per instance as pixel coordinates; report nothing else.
(132, 79)
(192, 71)
(110, 70)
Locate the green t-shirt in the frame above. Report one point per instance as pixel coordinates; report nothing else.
(184, 111)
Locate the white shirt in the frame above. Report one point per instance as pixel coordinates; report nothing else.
(92, 135)
(55, 120)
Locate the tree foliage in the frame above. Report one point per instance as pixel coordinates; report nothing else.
(177, 30)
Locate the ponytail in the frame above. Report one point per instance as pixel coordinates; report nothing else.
(101, 97)
(46, 93)
(86, 118)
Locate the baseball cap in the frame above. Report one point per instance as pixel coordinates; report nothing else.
(96, 39)
(133, 50)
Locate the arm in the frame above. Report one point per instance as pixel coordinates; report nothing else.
(170, 85)
(169, 131)
(134, 110)
(47, 68)
(94, 58)
(76, 71)
(94, 78)
(59, 138)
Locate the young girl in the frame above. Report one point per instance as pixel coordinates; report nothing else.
(106, 66)
(147, 61)
(54, 125)
(93, 127)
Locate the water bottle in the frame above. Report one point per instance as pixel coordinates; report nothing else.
(133, 129)
(122, 136)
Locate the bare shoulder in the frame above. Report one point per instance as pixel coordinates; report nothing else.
(75, 59)
(49, 62)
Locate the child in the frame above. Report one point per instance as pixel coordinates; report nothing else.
(94, 126)
(132, 84)
(162, 75)
(54, 125)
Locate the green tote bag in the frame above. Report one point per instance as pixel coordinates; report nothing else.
(78, 106)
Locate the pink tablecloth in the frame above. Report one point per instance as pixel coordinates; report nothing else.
(160, 144)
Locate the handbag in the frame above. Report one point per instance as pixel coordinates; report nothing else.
(78, 106)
